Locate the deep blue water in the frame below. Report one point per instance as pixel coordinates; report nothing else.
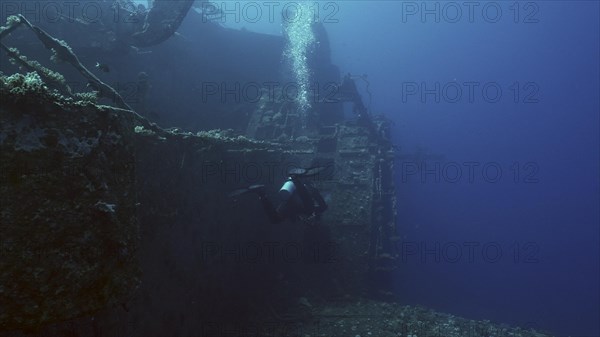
(522, 247)
(496, 111)
(502, 223)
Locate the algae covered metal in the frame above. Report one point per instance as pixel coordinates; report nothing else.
(67, 190)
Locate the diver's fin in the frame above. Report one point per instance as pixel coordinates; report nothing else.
(297, 171)
(311, 171)
(238, 192)
(307, 172)
(241, 191)
(256, 188)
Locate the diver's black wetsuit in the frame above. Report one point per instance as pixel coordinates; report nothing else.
(305, 200)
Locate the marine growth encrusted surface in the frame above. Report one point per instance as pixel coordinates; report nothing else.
(69, 231)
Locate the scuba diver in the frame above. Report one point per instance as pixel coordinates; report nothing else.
(299, 200)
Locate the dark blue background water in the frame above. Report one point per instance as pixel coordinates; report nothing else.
(520, 247)
(533, 231)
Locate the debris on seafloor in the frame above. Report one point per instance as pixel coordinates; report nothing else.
(368, 318)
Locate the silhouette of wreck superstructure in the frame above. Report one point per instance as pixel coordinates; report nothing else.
(112, 218)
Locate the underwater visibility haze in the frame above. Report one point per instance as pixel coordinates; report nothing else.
(334, 168)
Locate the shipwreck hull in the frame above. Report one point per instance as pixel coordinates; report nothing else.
(113, 226)
(68, 224)
(109, 225)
